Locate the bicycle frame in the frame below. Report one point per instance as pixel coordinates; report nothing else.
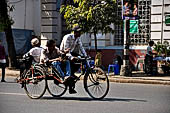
(23, 74)
(53, 70)
(85, 67)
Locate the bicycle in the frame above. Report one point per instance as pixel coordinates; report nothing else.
(96, 82)
(32, 76)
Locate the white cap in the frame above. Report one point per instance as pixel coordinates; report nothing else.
(34, 41)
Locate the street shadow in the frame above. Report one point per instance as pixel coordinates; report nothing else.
(90, 99)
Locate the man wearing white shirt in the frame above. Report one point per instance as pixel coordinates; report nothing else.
(72, 42)
(35, 51)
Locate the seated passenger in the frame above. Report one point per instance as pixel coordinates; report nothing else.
(53, 54)
(35, 51)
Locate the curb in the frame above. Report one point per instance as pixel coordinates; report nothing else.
(120, 80)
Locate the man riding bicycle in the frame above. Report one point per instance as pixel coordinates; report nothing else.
(73, 43)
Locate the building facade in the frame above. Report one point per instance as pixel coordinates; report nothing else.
(43, 17)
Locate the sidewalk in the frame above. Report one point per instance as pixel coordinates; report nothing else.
(140, 77)
(137, 77)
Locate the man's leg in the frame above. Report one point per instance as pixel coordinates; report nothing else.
(3, 72)
(71, 80)
(68, 69)
(57, 66)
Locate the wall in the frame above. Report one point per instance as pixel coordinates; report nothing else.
(51, 24)
(26, 15)
(159, 30)
(108, 55)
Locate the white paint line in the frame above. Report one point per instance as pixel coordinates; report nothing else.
(4, 93)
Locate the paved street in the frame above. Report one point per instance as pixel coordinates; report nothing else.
(122, 98)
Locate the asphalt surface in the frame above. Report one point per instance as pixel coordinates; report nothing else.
(137, 77)
(122, 98)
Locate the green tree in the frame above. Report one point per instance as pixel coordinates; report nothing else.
(162, 49)
(5, 25)
(91, 15)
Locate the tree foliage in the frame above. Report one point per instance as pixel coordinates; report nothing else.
(91, 15)
(5, 25)
(5, 19)
(162, 49)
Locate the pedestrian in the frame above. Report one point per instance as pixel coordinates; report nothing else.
(149, 51)
(2, 61)
(120, 62)
(149, 56)
(73, 44)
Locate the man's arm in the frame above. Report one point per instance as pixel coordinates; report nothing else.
(82, 48)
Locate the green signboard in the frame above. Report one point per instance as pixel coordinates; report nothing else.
(167, 19)
(134, 26)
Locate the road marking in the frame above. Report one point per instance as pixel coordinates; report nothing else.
(3, 93)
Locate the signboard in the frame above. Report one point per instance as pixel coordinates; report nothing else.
(167, 19)
(133, 27)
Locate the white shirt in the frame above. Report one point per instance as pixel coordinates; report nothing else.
(69, 41)
(36, 53)
(149, 49)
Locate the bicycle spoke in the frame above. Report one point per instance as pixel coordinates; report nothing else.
(35, 85)
(56, 90)
(97, 83)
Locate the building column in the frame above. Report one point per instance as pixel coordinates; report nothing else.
(51, 22)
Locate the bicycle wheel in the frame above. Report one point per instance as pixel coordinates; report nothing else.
(96, 83)
(55, 88)
(35, 86)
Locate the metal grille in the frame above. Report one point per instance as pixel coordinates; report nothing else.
(144, 13)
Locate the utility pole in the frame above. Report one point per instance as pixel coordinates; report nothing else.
(125, 70)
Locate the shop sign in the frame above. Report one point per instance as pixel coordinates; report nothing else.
(134, 27)
(167, 19)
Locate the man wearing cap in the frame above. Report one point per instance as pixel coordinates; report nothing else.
(72, 42)
(35, 51)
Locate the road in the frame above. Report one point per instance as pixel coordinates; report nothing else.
(122, 98)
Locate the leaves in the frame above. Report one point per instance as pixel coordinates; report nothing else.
(90, 15)
(5, 19)
(162, 48)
